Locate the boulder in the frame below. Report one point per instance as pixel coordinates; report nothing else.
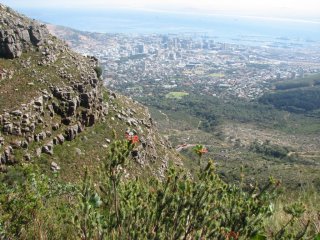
(78, 151)
(48, 148)
(55, 126)
(17, 113)
(16, 130)
(24, 144)
(72, 132)
(27, 157)
(85, 100)
(7, 157)
(16, 144)
(10, 45)
(54, 167)
(60, 139)
(39, 101)
(35, 35)
(7, 128)
(38, 152)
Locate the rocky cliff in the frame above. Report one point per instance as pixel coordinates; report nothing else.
(54, 109)
(19, 35)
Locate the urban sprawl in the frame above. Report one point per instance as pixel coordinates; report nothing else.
(159, 64)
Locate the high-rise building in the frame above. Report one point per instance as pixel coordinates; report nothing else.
(140, 48)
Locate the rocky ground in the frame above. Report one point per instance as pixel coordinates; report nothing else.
(50, 95)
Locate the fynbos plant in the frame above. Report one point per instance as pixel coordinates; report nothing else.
(295, 211)
(200, 150)
(113, 169)
(87, 219)
(112, 206)
(178, 207)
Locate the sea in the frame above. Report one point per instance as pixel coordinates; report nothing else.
(222, 27)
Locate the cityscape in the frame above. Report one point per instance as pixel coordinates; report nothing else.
(141, 65)
(160, 119)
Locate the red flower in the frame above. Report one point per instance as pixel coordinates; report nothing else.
(200, 150)
(232, 235)
(132, 138)
(203, 150)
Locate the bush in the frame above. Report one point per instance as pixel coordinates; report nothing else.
(271, 150)
(33, 206)
(98, 70)
(177, 207)
(114, 207)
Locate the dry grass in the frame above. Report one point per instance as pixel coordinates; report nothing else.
(311, 201)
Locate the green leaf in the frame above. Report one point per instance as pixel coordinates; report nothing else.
(317, 237)
(259, 237)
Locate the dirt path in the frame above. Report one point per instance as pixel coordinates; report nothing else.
(166, 116)
(306, 154)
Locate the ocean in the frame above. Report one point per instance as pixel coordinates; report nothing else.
(146, 22)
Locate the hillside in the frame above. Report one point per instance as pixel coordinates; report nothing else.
(54, 110)
(78, 161)
(229, 127)
(300, 95)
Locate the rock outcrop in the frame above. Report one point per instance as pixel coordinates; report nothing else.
(59, 112)
(19, 36)
(64, 107)
(67, 99)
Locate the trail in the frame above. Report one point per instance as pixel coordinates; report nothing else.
(199, 124)
(185, 146)
(166, 116)
(305, 154)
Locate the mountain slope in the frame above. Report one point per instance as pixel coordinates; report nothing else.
(230, 129)
(54, 110)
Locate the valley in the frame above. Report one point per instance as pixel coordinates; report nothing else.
(156, 136)
(220, 95)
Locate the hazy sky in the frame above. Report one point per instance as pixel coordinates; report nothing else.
(307, 9)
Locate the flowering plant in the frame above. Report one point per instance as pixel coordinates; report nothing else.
(132, 136)
(200, 150)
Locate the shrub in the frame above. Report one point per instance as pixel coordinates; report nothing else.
(268, 149)
(117, 207)
(177, 207)
(98, 70)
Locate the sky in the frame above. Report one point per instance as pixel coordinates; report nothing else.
(295, 9)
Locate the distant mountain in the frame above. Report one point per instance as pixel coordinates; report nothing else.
(75, 38)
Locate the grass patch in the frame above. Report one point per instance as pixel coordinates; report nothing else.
(216, 75)
(176, 95)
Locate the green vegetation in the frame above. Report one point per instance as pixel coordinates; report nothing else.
(297, 95)
(26, 81)
(213, 111)
(123, 196)
(115, 207)
(177, 95)
(270, 149)
(98, 71)
(298, 100)
(230, 128)
(307, 81)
